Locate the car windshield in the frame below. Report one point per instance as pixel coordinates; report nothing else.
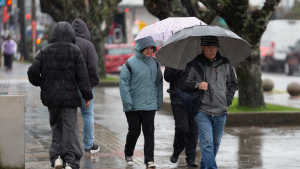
(119, 51)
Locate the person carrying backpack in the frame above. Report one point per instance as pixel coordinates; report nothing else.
(141, 89)
(213, 75)
(59, 70)
(186, 131)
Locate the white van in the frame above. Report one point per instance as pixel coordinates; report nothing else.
(275, 42)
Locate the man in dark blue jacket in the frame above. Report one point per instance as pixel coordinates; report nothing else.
(91, 61)
(59, 70)
(186, 132)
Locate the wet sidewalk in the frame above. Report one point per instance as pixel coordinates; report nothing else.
(259, 148)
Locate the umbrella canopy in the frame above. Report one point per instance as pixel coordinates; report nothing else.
(163, 29)
(182, 47)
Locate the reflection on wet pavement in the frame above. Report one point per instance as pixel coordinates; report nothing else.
(240, 147)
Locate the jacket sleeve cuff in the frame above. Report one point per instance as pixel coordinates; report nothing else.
(87, 96)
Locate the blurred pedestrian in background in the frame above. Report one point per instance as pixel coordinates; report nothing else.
(59, 69)
(141, 85)
(186, 131)
(9, 48)
(91, 61)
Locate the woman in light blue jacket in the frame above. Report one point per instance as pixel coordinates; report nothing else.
(141, 85)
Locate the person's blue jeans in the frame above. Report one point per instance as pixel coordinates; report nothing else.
(87, 114)
(210, 131)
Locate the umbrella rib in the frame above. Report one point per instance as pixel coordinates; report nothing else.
(223, 49)
(183, 53)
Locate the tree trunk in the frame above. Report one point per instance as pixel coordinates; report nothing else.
(249, 81)
(99, 46)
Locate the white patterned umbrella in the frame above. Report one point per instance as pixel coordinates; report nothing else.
(163, 29)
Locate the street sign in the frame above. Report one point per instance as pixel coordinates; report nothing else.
(2, 2)
(33, 30)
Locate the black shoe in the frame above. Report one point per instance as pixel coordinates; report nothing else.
(191, 163)
(129, 160)
(93, 149)
(174, 158)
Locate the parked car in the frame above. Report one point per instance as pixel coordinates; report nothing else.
(292, 59)
(275, 41)
(116, 55)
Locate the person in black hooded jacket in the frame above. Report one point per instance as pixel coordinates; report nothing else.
(91, 60)
(186, 131)
(59, 70)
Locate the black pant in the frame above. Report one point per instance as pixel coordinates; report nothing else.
(8, 59)
(65, 136)
(186, 131)
(135, 119)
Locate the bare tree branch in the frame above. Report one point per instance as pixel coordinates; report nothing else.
(158, 8)
(193, 9)
(53, 8)
(177, 8)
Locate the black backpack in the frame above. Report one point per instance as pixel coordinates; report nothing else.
(191, 100)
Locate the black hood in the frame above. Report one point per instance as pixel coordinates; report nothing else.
(81, 29)
(63, 32)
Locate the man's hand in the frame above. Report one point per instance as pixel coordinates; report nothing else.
(203, 86)
(87, 103)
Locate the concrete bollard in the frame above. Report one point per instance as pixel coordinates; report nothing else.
(294, 89)
(12, 128)
(268, 85)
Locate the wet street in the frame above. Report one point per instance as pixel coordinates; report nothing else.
(259, 148)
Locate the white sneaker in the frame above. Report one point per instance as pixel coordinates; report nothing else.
(58, 164)
(129, 160)
(68, 167)
(151, 165)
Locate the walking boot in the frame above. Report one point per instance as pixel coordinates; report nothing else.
(191, 163)
(174, 157)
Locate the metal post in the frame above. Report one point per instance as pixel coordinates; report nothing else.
(33, 20)
(21, 6)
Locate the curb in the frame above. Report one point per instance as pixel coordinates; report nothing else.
(258, 119)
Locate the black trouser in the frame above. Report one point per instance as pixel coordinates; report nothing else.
(186, 131)
(8, 59)
(135, 119)
(65, 136)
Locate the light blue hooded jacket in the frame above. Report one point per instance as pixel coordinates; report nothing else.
(142, 89)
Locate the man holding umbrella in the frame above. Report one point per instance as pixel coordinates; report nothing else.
(215, 76)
